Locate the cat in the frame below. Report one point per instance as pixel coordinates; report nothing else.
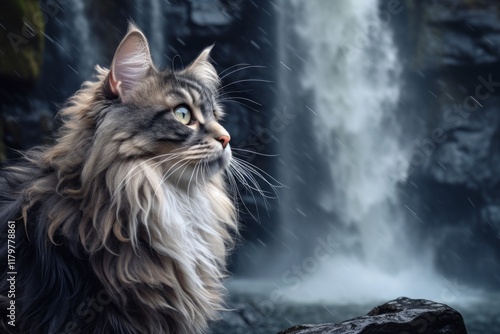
(124, 224)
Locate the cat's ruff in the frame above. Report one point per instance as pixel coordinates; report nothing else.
(124, 224)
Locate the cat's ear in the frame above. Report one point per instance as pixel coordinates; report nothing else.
(202, 69)
(131, 63)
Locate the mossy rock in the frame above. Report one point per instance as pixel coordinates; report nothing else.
(21, 41)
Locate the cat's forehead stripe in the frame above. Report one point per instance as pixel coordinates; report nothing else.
(194, 94)
(204, 92)
(194, 101)
(174, 97)
(187, 97)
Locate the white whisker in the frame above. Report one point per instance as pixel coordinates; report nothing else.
(129, 176)
(241, 69)
(183, 161)
(257, 171)
(231, 98)
(231, 67)
(243, 104)
(252, 152)
(245, 80)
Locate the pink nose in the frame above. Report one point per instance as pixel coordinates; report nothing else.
(224, 140)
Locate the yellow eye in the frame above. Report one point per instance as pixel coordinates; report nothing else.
(182, 114)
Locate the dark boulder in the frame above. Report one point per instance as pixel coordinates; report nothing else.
(403, 315)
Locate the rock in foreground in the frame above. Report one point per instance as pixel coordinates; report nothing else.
(403, 315)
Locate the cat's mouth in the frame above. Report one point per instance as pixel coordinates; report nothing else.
(220, 159)
(197, 170)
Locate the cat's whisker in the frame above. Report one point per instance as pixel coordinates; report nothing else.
(231, 67)
(248, 180)
(236, 194)
(232, 184)
(182, 173)
(243, 104)
(241, 98)
(241, 69)
(195, 170)
(153, 166)
(232, 170)
(244, 172)
(257, 169)
(242, 177)
(227, 92)
(236, 149)
(245, 80)
(197, 146)
(166, 175)
(202, 173)
(251, 184)
(173, 62)
(203, 164)
(251, 192)
(142, 164)
(249, 145)
(183, 162)
(200, 152)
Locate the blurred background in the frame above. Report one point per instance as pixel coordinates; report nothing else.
(380, 118)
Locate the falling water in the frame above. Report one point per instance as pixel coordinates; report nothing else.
(354, 76)
(150, 17)
(352, 70)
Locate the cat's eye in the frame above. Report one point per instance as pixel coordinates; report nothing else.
(183, 114)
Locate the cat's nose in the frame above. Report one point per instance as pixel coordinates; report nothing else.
(224, 140)
(218, 133)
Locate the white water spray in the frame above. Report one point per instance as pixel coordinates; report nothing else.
(151, 19)
(353, 71)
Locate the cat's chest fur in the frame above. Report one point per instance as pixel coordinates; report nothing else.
(186, 221)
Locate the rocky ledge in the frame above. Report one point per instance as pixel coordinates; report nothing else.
(403, 315)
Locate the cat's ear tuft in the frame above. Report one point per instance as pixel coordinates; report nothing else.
(204, 56)
(131, 63)
(202, 69)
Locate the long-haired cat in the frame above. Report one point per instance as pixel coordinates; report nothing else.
(123, 225)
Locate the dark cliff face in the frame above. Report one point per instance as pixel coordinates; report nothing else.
(451, 52)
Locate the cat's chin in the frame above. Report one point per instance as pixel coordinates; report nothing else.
(201, 171)
(221, 161)
(218, 164)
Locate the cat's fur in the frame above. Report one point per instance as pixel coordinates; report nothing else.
(123, 225)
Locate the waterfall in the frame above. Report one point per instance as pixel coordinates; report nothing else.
(71, 50)
(80, 40)
(149, 15)
(351, 69)
(353, 74)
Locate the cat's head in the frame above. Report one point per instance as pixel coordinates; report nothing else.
(169, 116)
